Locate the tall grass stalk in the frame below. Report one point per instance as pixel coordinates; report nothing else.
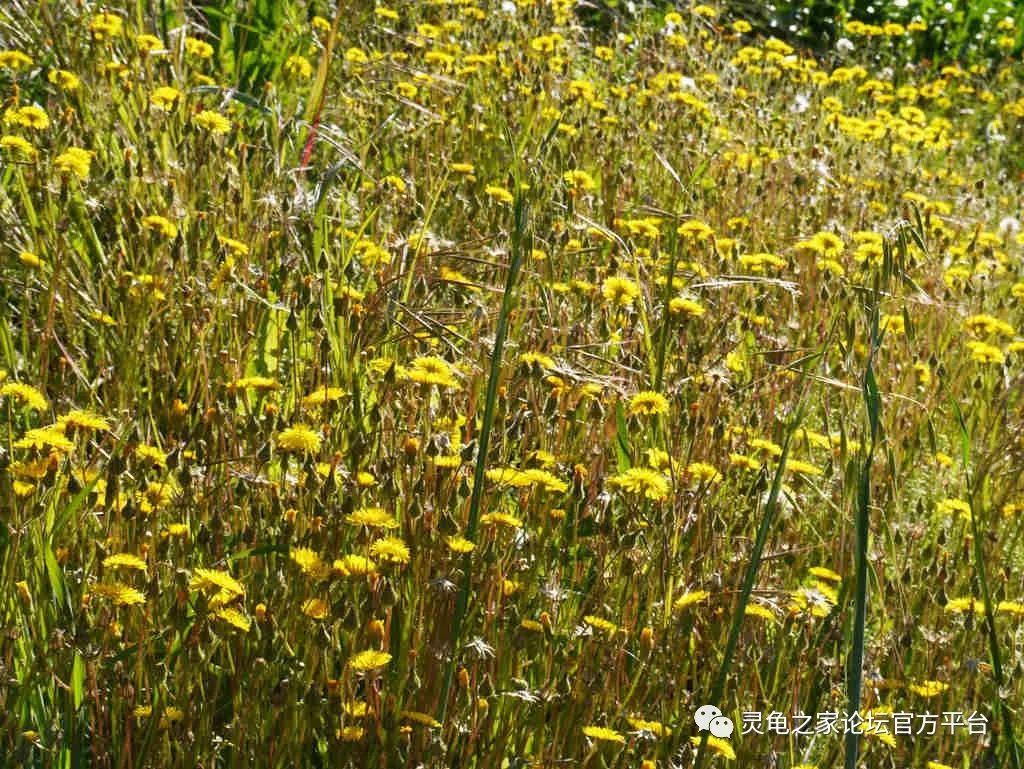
(519, 247)
(862, 522)
(893, 266)
(764, 529)
(975, 485)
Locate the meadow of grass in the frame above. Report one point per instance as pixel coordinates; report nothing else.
(454, 384)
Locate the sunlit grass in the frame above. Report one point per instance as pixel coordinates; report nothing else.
(460, 385)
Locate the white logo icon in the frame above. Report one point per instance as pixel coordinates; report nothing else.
(710, 718)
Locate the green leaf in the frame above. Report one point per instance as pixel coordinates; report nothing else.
(78, 681)
(73, 506)
(54, 574)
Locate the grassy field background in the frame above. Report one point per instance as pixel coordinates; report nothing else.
(461, 384)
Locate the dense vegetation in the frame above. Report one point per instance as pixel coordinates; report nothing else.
(493, 384)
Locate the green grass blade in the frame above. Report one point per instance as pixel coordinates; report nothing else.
(977, 532)
(519, 246)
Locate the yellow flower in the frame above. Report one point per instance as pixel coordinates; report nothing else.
(432, 370)
(603, 734)
(259, 383)
(988, 325)
(234, 618)
(703, 472)
(656, 728)
(215, 581)
(757, 262)
(315, 608)
(768, 447)
(301, 439)
(26, 395)
(160, 224)
(171, 715)
(351, 733)
(148, 43)
(151, 455)
(1011, 607)
(356, 56)
(501, 519)
(323, 395)
(372, 517)
(42, 437)
(394, 181)
(806, 468)
(18, 146)
(823, 573)
(579, 180)
(83, 420)
(620, 291)
(642, 480)
(744, 461)
(499, 194)
(407, 90)
(688, 307)
(124, 561)
(390, 550)
(929, 688)
(368, 660)
(831, 266)
(29, 116)
(720, 746)
(648, 403)
(600, 623)
(36, 469)
(357, 709)
(298, 67)
(14, 60)
(198, 48)
(510, 476)
(985, 353)
(74, 160)
(695, 231)
(353, 566)
(211, 121)
(949, 507)
(964, 605)
(120, 594)
(757, 610)
(460, 545)
(424, 719)
(165, 98)
(105, 25)
(689, 599)
(235, 247)
(308, 560)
